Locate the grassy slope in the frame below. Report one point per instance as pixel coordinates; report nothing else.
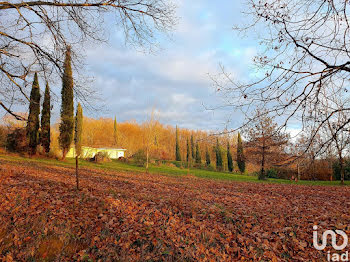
(166, 170)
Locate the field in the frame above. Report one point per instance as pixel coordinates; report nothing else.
(128, 215)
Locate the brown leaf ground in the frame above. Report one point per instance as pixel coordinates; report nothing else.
(134, 217)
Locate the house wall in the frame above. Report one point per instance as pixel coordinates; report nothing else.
(89, 152)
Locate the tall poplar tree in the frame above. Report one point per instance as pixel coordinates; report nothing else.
(192, 148)
(198, 154)
(177, 146)
(240, 154)
(67, 107)
(115, 132)
(188, 153)
(229, 158)
(207, 157)
(45, 138)
(218, 155)
(33, 117)
(78, 140)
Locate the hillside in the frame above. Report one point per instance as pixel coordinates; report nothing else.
(137, 216)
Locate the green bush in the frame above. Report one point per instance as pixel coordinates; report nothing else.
(178, 164)
(336, 170)
(140, 158)
(17, 141)
(272, 173)
(281, 173)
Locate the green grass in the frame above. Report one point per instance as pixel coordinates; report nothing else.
(164, 170)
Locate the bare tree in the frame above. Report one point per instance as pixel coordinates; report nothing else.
(305, 49)
(150, 135)
(340, 136)
(34, 35)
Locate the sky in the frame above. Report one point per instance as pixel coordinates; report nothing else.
(175, 80)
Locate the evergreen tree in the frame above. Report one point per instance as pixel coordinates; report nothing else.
(177, 146)
(207, 157)
(33, 117)
(240, 154)
(78, 140)
(229, 158)
(115, 132)
(45, 138)
(198, 155)
(188, 155)
(218, 155)
(67, 107)
(192, 148)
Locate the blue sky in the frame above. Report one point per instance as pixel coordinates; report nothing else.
(174, 80)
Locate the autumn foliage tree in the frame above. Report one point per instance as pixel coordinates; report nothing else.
(33, 117)
(67, 107)
(229, 158)
(198, 154)
(45, 121)
(193, 148)
(115, 131)
(149, 135)
(188, 152)
(177, 146)
(266, 142)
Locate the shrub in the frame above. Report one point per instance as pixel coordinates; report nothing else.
(3, 136)
(178, 164)
(123, 159)
(101, 157)
(17, 141)
(281, 173)
(210, 168)
(336, 170)
(272, 173)
(140, 158)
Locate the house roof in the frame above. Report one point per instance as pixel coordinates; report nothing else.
(105, 148)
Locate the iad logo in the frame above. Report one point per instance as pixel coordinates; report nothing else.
(333, 235)
(334, 239)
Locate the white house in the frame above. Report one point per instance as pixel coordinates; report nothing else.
(90, 152)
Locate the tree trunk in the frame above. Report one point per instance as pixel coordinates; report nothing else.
(262, 172)
(342, 170)
(147, 155)
(64, 153)
(298, 170)
(76, 171)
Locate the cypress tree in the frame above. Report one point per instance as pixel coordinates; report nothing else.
(188, 155)
(45, 121)
(115, 132)
(198, 154)
(240, 154)
(207, 157)
(67, 107)
(229, 158)
(77, 139)
(192, 148)
(218, 155)
(177, 146)
(33, 117)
